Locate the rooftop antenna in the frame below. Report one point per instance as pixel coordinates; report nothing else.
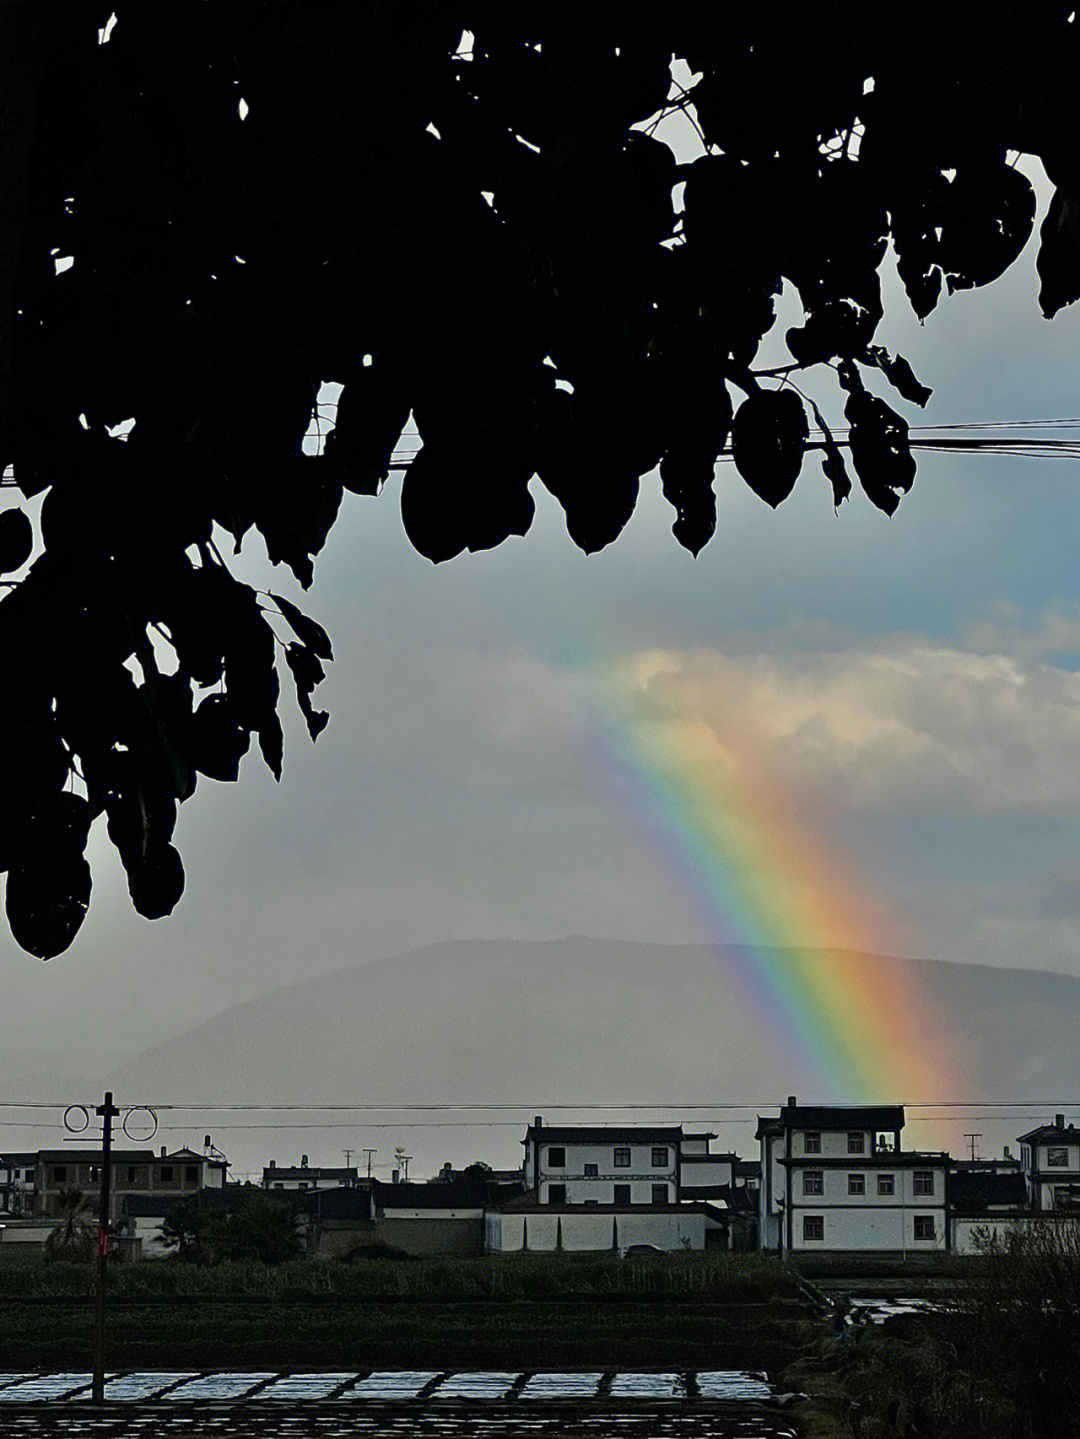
(973, 1138)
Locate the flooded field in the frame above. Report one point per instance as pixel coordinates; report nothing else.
(437, 1404)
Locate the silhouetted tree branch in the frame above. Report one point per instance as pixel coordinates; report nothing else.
(458, 215)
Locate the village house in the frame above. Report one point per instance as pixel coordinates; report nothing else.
(305, 1176)
(834, 1179)
(613, 1187)
(134, 1171)
(1050, 1160)
(17, 1184)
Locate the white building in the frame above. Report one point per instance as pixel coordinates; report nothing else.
(17, 1183)
(602, 1165)
(613, 1187)
(305, 1176)
(1050, 1159)
(835, 1179)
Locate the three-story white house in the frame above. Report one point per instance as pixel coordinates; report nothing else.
(835, 1179)
(1050, 1160)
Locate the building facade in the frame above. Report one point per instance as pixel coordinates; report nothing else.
(163, 1175)
(17, 1184)
(835, 1179)
(1050, 1160)
(304, 1176)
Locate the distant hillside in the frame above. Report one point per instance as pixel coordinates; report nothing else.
(575, 1021)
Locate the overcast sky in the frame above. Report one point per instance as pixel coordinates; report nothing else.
(913, 684)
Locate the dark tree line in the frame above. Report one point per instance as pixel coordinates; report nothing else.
(446, 210)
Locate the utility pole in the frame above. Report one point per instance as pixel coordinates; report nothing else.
(369, 1153)
(108, 1112)
(348, 1153)
(405, 1161)
(973, 1138)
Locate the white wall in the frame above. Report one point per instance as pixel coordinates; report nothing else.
(602, 1191)
(710, 1171)
(835, 1187)
(602, 1155)
(869, 1228)
(581, 1232)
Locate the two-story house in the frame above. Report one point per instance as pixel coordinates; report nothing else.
(1050, 1160)
(602, 1165)
(164, 1176)
(834, 1178)
(307, 1176)
(610, 1187)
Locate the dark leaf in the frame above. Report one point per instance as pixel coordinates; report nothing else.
(272, 744)
(985, 224)
(768, 440)
(898, 373)
(687, 482)
(218, 740)
(307, 672)
(46, 904)
(832, 465)
(1058, 260)
(307, 630)
(156, 881)
(880, 451)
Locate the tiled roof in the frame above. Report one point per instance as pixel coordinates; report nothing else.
(335, 1204)
(883, 1159)
(313, 1172)
(1069, 1133)
(614, 1134)
(529, 1203)
(455, 1194)
(887, 1117)
(93, 1156)
(981, 1188)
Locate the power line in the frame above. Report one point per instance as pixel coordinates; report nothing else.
(537, 1106)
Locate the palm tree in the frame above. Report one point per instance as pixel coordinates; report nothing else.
(72, 1237)
(185, 1231)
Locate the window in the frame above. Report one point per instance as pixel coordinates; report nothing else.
(924, 1226)
(856, 1184)
(556, 1194)
(621, 1159)
(556, 1157)
(856, 1142)
(813, 1181)
(131, 1173)
(659, 1158)
(1057, 1159)
(191, 1174)
(622, 1194)
(95, 1174)
(886, 1184)
(59, 1173)
(812, 1141)
(813, 1226)
(166, 1174)
(659, 1194)
(592, 1171)
(923, 1182)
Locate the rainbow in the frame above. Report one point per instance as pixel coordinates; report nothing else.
(763, 878)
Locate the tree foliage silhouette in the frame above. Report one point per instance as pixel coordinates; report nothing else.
(458, 215)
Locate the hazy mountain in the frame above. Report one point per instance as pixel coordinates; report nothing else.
(577, 1021)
